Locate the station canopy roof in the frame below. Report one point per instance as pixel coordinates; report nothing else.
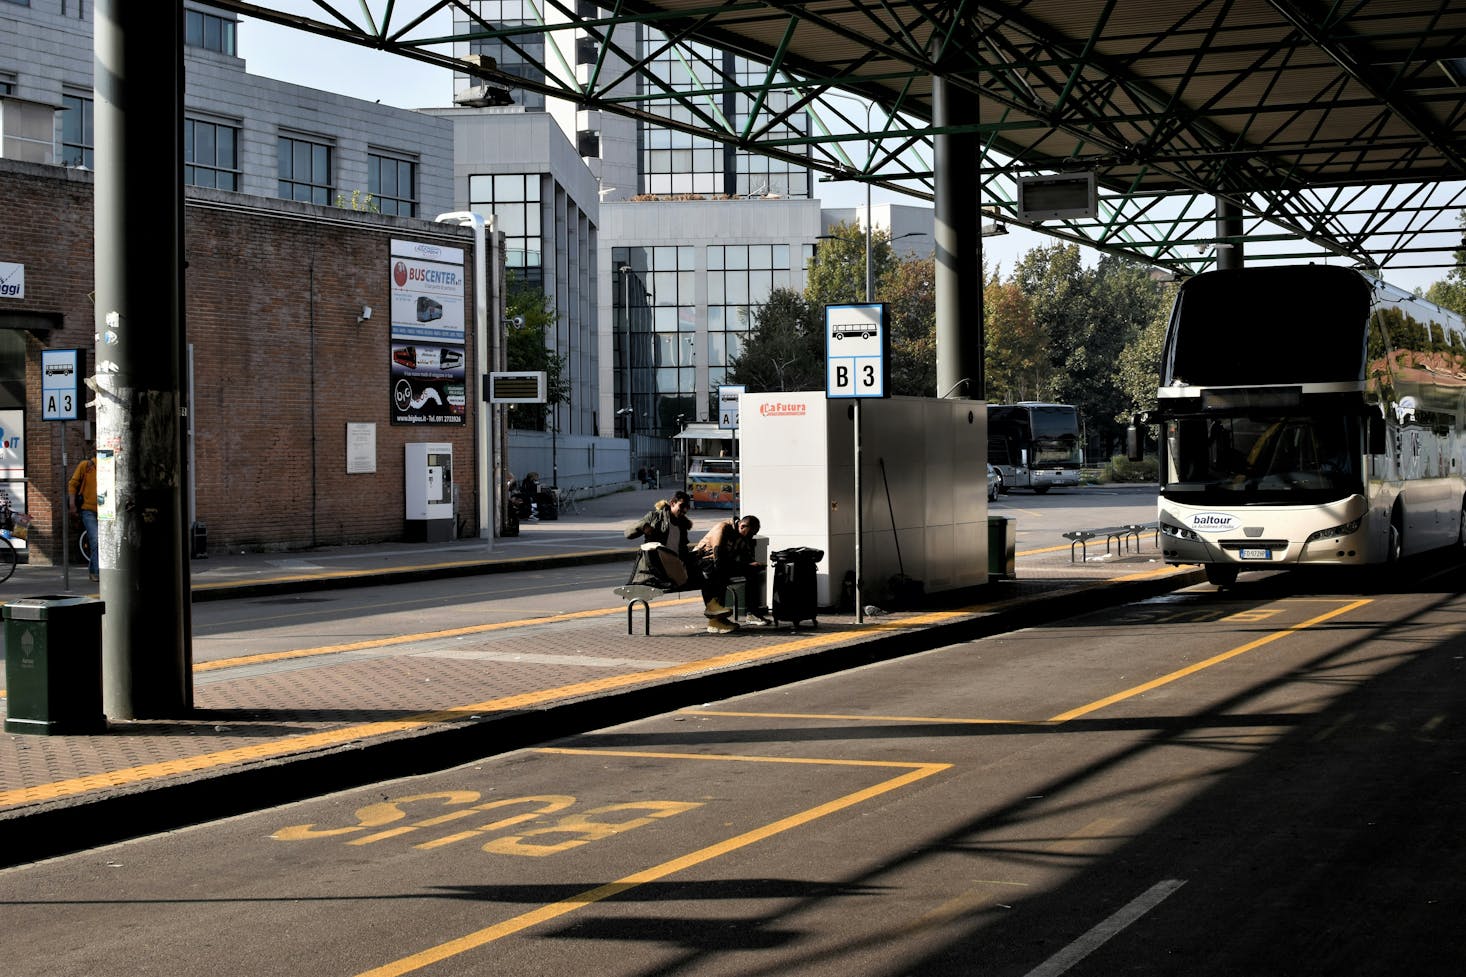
(1336, 128)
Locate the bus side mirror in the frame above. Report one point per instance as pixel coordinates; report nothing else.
(1375, 434)
(1135, 441)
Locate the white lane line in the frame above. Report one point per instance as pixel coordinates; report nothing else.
(1097, 937)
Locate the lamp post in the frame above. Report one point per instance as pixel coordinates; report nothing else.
(630, 408)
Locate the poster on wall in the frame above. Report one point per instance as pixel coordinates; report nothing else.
(427, 369)
(428, 384)
(12, 458)
(427, 292)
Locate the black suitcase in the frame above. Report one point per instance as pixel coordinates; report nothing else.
(795, 591)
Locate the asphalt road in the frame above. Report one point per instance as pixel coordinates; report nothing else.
(1263, 781)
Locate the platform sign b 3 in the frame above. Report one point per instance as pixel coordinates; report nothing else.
(857, 351)
(61, 384)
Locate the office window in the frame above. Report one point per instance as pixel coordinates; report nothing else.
(740, 278)
(7, 83)
(76, 131)
(392, 183)
(305, 171)
(208, 32)
(210, 155)
(514, 200)
(655, 312)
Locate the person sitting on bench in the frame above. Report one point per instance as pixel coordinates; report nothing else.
(727, 551)
(664, 561)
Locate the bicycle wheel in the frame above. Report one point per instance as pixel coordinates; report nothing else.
(84, 546)
(7, 559)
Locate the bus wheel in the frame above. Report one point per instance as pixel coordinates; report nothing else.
(1461, 531)
(1220, 574)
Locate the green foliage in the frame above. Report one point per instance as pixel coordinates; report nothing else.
(836, 273)
(525, 350)
(1089, 319)
(358, 201)
(1122, 469)
(909, 289)
(785, 349)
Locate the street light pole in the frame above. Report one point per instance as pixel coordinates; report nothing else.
(625, 271)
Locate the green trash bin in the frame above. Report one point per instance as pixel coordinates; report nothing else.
(1002, 548)
(53, 665)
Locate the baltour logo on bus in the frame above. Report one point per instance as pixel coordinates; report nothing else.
(1213, 522)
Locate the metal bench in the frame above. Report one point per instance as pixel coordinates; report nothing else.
(735, 597)
(1119, 536)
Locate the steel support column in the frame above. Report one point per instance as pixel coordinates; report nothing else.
(1229, 226)
(146, 631)
(958, 234)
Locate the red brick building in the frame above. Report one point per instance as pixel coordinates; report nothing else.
(282, 361)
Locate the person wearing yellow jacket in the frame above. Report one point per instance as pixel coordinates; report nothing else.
(83, 489)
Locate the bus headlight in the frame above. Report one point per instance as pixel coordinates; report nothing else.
(1335, 532)
(1171, 529)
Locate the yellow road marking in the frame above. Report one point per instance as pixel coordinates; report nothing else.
(1180, 673)
(489, 934)
(379, 571)
(1062, 717)
(325, 739)
(862, 719)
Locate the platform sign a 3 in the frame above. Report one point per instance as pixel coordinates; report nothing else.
(61, 384)
(857, 351)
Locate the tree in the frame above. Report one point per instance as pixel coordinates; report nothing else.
(836, 273)
(909, 289)
(1017, 365)
(1139, 373)
(1451, 293)
(525, 351)
(1088, 319)
(785, 348)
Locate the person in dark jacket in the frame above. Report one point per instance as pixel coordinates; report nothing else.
(725, 552)
(665, 559)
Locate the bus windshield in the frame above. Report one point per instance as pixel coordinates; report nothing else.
(1275, 459)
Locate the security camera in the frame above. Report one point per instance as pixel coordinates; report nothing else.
(366, 313)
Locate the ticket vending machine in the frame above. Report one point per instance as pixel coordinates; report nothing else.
(429, 471)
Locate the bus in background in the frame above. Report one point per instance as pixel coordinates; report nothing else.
(1034, 445)
(1308, 415)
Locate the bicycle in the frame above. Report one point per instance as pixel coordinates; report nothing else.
(12, 526)
(570, 499)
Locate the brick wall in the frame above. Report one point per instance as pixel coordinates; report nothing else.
(281, 365)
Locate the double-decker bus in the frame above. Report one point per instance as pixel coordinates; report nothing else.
(1034, 445)
(1308, 415)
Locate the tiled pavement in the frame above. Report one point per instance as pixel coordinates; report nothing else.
(272, 728)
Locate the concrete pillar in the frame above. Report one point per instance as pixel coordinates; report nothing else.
(146, 628)
(958, 244)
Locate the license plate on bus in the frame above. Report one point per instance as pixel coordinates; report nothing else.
(1255, 554)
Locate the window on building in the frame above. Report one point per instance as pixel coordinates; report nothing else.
(7, 83)
(521, 54)
(740, 278)
(305, 170)
(655, 312)
(76, 131)
(392, 182)
(210, 155)
(208, 32)
(514, 201)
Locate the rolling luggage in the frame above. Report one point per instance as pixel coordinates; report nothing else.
(795, 592)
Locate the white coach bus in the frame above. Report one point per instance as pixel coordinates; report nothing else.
(1309, 415)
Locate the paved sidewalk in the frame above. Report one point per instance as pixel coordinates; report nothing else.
(274, 728)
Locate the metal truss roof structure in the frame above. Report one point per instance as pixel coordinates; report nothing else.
(1337, 128)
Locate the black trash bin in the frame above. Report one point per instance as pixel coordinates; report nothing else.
(53, 665)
